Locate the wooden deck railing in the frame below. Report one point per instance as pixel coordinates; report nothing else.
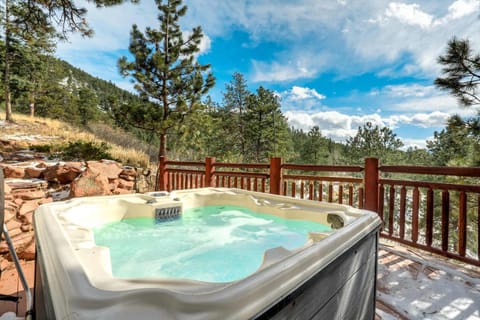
(438, 216)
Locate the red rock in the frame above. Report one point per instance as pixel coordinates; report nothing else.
(29, 252)
(32, 172)
(110, 169)
(26, 227)
(63, 174)
(31, 195)
(45, 200)
(18, 202)
(124, 184)
(121, 191)
(42, 165)
(9, 215)
(129, 171)
(125, 177)
(13, 224)
(14, 172)
(4, 264)
(7, 189)
(90, 183)
(13, 233)
(27, 218)
(28, 206)
(113, 183)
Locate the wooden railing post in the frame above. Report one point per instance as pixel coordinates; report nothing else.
(370, 180)
(209, 171)
(162, 174)
(275, 175)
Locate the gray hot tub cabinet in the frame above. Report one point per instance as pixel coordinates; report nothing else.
(344, 289)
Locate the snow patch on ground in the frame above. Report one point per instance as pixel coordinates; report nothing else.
(423, 289)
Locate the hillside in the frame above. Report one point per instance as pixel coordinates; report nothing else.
(55, 139)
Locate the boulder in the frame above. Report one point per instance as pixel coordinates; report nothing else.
(28, 206)
(121, 191)
(14, 172)
(7, 188)
(110, 169)
(63, 174)
(25, 195)
(125, 184)
(33, 172)
(29, 252)
(90, 183)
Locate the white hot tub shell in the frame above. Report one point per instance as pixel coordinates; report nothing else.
(332, 276)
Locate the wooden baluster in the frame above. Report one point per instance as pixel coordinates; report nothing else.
(263, 184)
(293, 189)
(381, 203)
(249, 184)
(302, 186)
(285, 191)
(391, 208)
(255, 184)
(320, 191)
(330, 192)
(445, 219)
(429, 218)
(403, 197)
(361, 199)
(340, 194)
(416, 205)
(462, 223)
(350, 195)
(242, 183)
(197, 181)
(169, 182)
(236, 182)
(478, 227)
(311, 190)
(191, 181)
(178, 182)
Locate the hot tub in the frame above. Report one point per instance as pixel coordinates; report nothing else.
(330, 276)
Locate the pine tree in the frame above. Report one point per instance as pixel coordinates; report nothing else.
(462, 72)
(166, 73)
(372, 141)
(234, 104)
(266, 129)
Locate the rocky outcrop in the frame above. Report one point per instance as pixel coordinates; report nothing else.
(29, 185)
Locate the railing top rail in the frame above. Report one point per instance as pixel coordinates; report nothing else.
(185, 163)
(242, 165)
(241, 174)
(185, 171)
(312, 167)
(432, 185)
(444, 171)
(322, 178)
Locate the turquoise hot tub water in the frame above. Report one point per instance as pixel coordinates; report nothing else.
(210, 243)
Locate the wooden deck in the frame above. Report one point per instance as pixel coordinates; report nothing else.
(412, 284)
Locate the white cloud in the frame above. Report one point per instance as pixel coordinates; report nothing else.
(272, 72)
(340, 126)
(409, 14)
(300, 93)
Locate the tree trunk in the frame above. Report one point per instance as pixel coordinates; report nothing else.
(163, 145)
(32, 109)
(8, 102)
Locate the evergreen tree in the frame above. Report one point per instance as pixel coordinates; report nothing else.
(458, 144)
(266, 129)
(461, 72)
(372, 141)
(166, 73)
(234, 104)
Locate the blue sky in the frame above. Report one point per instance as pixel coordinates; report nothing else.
(334, 63)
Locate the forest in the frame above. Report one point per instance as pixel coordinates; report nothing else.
(244, 126)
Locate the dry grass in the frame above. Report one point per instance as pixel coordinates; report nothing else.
(60, 132)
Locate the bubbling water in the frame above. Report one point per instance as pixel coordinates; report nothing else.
(211, 243)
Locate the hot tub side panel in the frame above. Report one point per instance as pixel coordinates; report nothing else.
(345, 289)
